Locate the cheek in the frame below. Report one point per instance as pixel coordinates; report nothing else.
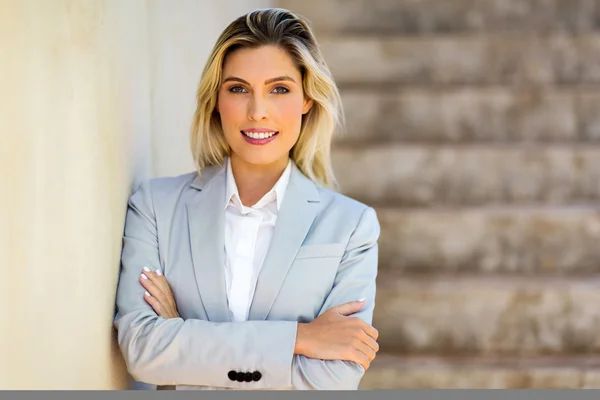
(289, 113)
(231, 111)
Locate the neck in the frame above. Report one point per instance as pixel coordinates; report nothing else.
(254, 181)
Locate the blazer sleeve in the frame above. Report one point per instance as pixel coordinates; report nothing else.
(355, 279)
(194, 352)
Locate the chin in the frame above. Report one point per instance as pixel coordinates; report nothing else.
(251, 156)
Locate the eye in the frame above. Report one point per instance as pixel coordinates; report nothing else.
(237, 89)
(280, 90)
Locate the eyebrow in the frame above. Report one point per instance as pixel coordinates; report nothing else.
(267, 82)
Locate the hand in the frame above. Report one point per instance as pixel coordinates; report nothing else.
(336, 336)
(158, 293)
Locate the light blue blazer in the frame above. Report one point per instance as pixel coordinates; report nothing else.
(323, 253)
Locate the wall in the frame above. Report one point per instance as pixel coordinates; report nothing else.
(97, 95)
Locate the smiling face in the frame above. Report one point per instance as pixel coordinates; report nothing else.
(261, 103)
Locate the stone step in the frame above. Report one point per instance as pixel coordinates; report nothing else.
(471, 114)
(473, 59)
(557, 241)
(462, 315)
(444, 16)
(414, 372)
(432, 175)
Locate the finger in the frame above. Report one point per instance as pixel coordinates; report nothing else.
(365, 327)
(360, 358)
(369, 341)
(368, 329)
(365, 349)
(162, 283)
(159, 280)
(152, 288)
(152, 276)
(348, 308)
(154, 303)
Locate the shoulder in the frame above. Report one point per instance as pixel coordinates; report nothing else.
(161, 189)
(168, 184)
(348, 209)
(331, 198)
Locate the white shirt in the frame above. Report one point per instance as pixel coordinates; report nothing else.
(248, 232)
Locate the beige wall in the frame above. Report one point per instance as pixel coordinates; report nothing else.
(96, 96)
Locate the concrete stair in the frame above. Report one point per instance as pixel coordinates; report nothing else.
(453, 60)
(425, 17)
(529, 241)
(488, 315)
(471, 114)
(425, 372)
(431, 175)
(473, 128)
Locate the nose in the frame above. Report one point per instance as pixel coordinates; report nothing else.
(257, 108)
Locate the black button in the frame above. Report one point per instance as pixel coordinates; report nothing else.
(240, 377)
(232, 375)
(256, 376)
(248, 377)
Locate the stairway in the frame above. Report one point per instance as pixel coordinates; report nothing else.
(473, 128)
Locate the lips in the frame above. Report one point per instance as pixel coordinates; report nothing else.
(259, 137)
(259, 134)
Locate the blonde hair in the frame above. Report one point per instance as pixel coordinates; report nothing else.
(291, 32)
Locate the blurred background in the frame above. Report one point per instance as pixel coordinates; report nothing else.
(473, 128)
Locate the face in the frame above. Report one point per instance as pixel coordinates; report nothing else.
(261, 103)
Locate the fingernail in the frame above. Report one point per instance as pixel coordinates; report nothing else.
(148, 294)
(158, 272)
(146, 269)
(144, 276)
(363, 299)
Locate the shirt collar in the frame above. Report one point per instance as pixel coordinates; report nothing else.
(276, 193)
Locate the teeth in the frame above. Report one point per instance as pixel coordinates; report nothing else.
(259, 135)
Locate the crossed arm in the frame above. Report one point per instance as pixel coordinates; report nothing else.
(167, 350)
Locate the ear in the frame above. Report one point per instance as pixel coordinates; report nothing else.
(308, 103)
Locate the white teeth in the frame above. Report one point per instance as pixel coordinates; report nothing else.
(259, 135)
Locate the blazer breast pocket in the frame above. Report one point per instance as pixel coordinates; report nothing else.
(308, 282)
(335, 250)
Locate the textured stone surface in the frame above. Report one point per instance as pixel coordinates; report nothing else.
(470, 114)
(406, 372)
(476, 59)
(473, 128)
(448, 16)
(502, 240)
(589, 115)
(423, 175)
(487, 315)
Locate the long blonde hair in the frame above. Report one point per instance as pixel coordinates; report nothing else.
(291, 32)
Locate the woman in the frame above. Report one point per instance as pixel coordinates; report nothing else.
(249, 273)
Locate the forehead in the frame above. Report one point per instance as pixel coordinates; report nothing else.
(260, 63)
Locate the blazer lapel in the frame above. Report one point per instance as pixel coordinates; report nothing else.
(206, 221)
(298, 211)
